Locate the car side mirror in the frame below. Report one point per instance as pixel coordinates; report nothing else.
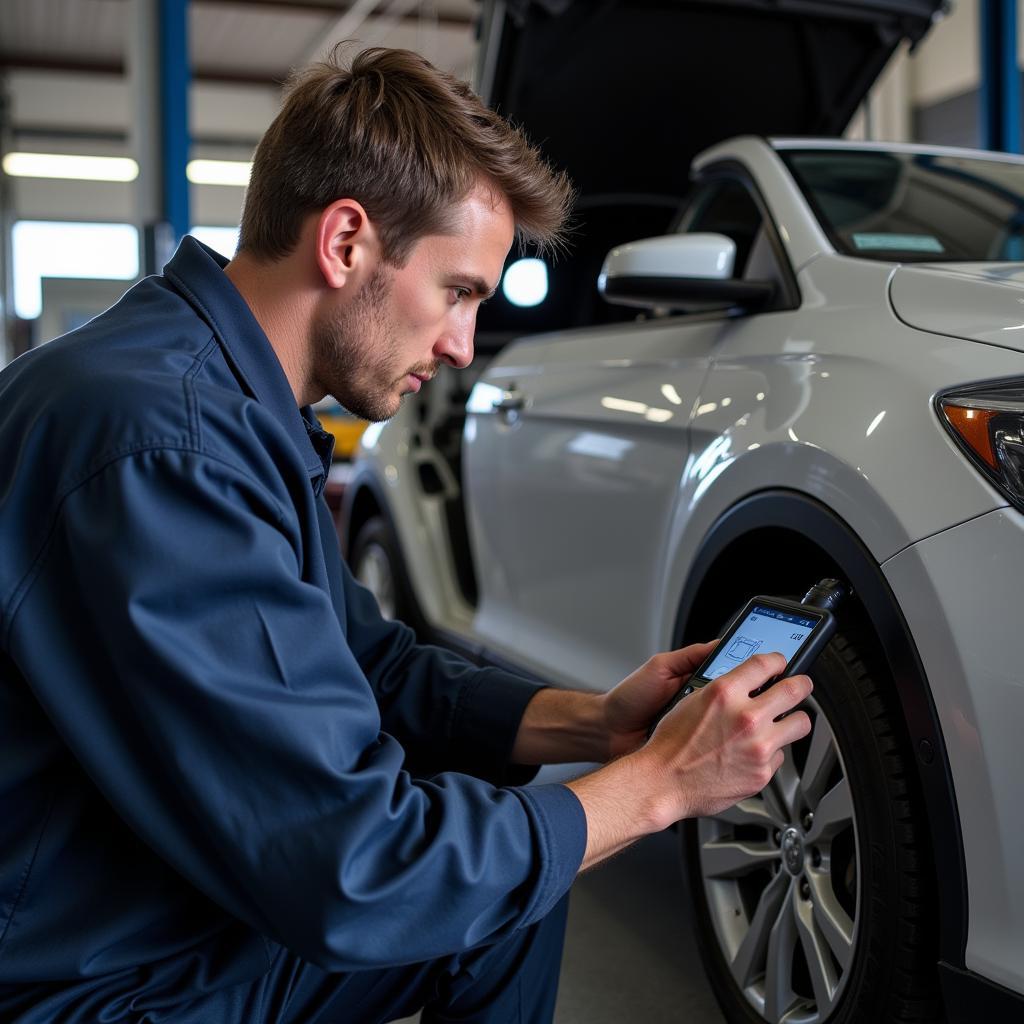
(679, 272)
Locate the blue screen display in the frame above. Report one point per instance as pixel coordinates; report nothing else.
(764, 630)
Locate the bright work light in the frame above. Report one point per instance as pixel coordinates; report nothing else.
(526, 283)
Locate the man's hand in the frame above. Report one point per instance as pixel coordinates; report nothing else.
(630, 708)
(561, 726)
(714, 748)
(719, 745)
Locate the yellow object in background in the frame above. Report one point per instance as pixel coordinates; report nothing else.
(342, 424)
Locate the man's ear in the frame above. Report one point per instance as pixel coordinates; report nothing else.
(347, 246)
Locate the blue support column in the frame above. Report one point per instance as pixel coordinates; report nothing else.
(1000, 77)
(174, 88)
(158, 67)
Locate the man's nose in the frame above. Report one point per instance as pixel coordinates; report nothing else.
(456, 346)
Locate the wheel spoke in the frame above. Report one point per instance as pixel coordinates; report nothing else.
(824, 979)
(833, 813)
(749, 960)
(832, 921)
(779, 997)
(780, 794)
(821, 759)
(751, 811)
(731, 858)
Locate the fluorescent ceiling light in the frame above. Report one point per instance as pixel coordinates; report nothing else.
(118, 168)
(219, 172)
(61, 165)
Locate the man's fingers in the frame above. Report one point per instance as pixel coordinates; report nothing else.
(754, 672)
(792, 728)
(785, 695)
(684, 660)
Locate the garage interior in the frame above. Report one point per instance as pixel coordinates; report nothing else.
(167, 99)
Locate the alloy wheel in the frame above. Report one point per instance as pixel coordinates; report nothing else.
(781, 877)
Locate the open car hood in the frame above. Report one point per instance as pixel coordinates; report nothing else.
(624, 93)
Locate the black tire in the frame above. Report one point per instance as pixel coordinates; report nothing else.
(869, 882)
(375, 561)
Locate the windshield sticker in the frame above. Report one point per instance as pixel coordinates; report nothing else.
(905, 243)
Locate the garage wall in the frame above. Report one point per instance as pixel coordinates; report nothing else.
(948, 63)
(931, 95)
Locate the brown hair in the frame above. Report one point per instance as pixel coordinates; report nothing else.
(402, 138)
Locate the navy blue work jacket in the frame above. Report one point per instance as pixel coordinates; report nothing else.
(211, 742)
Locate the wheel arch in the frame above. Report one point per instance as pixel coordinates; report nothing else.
(780, 540)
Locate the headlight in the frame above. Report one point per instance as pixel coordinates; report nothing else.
(987, 422)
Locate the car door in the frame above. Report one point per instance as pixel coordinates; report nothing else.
(575, 446)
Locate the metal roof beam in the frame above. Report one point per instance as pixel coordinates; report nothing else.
(26, 62)
(329, 7)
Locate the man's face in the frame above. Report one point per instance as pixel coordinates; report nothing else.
(404, 322)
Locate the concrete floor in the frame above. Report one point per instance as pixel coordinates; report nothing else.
(630, 954)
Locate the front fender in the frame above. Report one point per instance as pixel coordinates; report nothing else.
(835, 548)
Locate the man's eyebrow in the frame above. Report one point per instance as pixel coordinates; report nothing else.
(480, 287)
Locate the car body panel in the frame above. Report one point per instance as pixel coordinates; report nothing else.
(591, 464)
(953, 587)
(983, 302)
(585, 478)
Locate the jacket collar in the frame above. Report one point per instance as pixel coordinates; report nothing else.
(197, 272)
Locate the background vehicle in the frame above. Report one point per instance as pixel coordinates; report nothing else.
(347, 430)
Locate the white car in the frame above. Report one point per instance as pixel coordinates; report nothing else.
(825, 378)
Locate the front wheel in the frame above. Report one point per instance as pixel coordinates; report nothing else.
(376, 563)
(811, 898)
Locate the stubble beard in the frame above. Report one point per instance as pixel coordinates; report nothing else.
(355, 352)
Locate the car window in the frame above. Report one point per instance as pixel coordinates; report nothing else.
(726, 207)
(912, 207)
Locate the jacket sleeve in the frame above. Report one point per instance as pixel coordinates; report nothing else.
(448, 713)
(211, 695)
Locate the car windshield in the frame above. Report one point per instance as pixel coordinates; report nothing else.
(914, 207)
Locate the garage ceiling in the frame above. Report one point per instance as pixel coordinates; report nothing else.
(243, 41)
(64, 89)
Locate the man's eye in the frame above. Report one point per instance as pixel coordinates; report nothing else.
(458, 294)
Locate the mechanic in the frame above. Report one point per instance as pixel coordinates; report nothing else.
(231, 791)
